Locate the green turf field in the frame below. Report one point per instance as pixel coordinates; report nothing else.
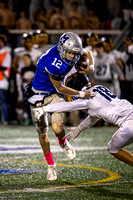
(94, 175)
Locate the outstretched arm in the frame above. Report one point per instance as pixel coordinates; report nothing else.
(80, 104)
(75, 131)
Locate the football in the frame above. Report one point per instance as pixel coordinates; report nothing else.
(82, 62)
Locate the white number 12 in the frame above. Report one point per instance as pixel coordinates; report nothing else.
(57, 63)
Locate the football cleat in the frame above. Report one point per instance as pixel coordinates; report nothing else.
(69, 150)
(51, 176)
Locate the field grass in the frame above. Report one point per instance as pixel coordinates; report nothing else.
(94, 175)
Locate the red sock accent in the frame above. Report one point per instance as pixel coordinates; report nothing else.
(62, 141)
(49, 158)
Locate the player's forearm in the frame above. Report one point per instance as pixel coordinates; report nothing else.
(87, 122)
(66, 106)
(71, 92)
(67, 91)
(75, 131)
(91, 57)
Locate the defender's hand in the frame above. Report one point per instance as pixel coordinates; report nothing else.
(38, 112)
(73, 133)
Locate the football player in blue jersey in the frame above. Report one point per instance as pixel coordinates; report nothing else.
(47, 87)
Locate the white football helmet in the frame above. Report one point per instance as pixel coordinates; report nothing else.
(70, 42)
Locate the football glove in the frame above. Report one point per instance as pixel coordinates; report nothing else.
(73, 133)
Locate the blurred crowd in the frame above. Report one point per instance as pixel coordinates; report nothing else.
(63, 14)
(18, 58)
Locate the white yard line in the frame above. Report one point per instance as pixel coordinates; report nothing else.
(17, 149)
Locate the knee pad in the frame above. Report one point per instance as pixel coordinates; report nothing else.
(112, 148)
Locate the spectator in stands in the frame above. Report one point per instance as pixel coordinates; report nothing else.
(106, 41)
(17, 6)
(82, 8)
(34, 5)
(127, 84)
(40, 19)
(58, 24)
(42, 4)
(57, 19)
(117, 57)
(28, 71)
(73, 12)
(27, 75)
(6, 47)
(5, 64)
(27, 47)
(105, 67)
(74, 23)
(18, 63)
(9, 43)
(23, 22)
(42, 41)
(127, 12)
(91, 39)
(7, 16)
(105, 70)
(92, 21)
(117, 22)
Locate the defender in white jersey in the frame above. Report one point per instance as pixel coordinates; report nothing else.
(107, 106)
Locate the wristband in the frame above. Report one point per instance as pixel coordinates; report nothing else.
(81, 94)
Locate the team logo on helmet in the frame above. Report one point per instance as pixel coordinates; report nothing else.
(64, 39)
